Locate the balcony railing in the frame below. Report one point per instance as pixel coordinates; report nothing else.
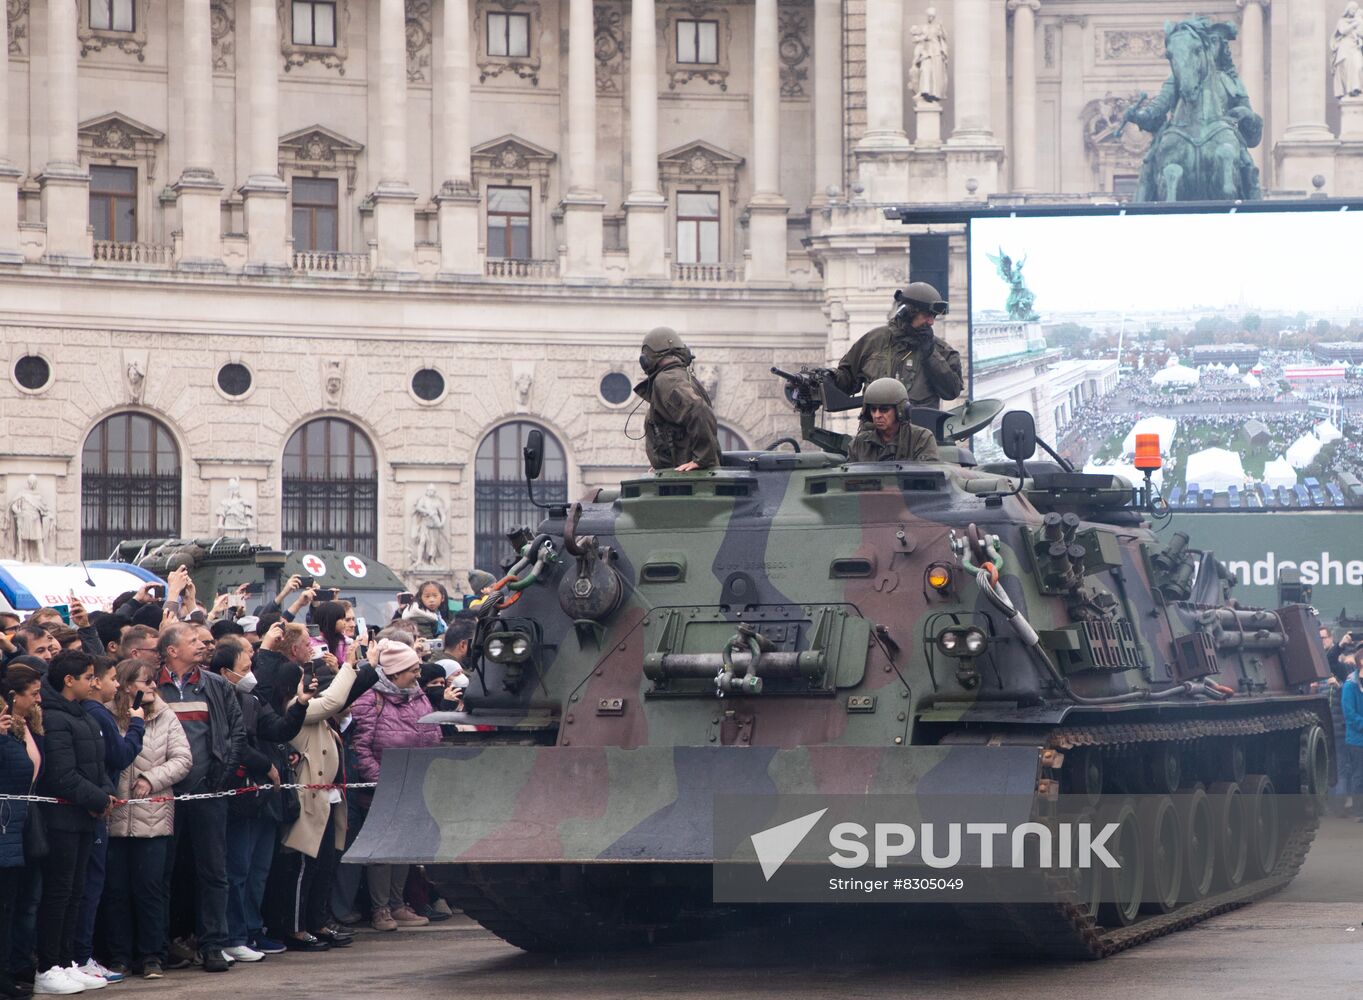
(114, 252)
(533, 270)
(318, 262)
(707, 274)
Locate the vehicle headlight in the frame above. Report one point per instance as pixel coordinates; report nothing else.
(520, 647)
(962, 642)
(975, 642)
(496, 649)
(950, 642)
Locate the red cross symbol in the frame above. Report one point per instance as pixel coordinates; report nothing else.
(354, 566)
(314, 566)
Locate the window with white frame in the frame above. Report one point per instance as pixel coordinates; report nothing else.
(697, 42)
(314, 23)
(112, 15)
(697, 227)
(508, 34)
(508, 223)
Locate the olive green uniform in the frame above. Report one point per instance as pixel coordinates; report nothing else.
(911, 444)
(929, 367)
(680, 426)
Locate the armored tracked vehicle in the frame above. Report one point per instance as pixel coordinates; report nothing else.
(792, 623)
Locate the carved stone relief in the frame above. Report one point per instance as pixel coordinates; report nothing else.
(1123, 45)
(18, 26)
(133, 43)
(1048, 45)
(419, 35)
(223, 23)
(610, 47)
(333, 380)
(708, 377)
(135, 366)
(525, 67)
(794, 49)
(319, 149)
(717, 73)
(523, 378)
(116, 138)
(330, 56)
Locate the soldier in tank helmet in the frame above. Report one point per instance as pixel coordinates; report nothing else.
(885, 435)
(905, 349)
(680, 431)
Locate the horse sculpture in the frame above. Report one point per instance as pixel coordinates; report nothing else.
(1201, 120)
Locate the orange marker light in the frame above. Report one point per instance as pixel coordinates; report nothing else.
(939, 577)
(1147, 452)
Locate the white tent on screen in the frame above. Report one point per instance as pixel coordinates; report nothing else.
(1215, 469)
(1130, 473)
(1165, 427)
(1279, 472)
(1252, 381)
(1175, 377)
(1326, 432)
(1303, 451)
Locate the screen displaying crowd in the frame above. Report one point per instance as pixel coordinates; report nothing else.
(1238, 338)
(128, 847)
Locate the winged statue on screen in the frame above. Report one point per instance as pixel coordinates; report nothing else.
(1020, 298)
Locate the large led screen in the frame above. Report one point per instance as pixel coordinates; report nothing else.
(1238, 338)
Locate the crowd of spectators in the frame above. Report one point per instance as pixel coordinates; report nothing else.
(139, 719)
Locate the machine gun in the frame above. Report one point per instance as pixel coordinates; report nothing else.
(803, 390)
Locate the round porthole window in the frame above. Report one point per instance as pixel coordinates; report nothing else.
(32, 372)
(428, 385)
(615, 388)
(234, 379)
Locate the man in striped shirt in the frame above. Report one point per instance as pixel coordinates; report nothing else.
(211, 716)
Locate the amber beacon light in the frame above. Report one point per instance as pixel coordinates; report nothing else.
(1147, 453)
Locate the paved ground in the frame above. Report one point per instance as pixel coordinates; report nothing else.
(1289, 947)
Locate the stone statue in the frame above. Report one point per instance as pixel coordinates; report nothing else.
(32, 523)
(1202, 125)
(136, 379)
(524, 382)
(1020, 297)
(428, 529)
(1347, 48)
(235, 514)
(928, 74)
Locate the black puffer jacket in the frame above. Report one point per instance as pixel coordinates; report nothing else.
(266, 733)
(73, 765)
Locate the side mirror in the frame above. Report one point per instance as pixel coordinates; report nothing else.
(533, 453)
(1018, 435)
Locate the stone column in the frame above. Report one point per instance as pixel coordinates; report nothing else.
(1252, 63)
(828, 165)
(458, 199)
(766, 208)
(1024, 93)
(198, 189)
(1075, 176)
(973, 152)
(265, 193)
(393, 197)
(883, 153)
(646, 209)
(9, 173)
(65, 184)
(1307, 145)
(582, 203)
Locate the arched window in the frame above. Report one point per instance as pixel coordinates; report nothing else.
(500, 503)
(330, 489)
(731, 440)
(130, 484)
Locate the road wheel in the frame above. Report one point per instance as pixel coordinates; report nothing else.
(1125, 883)
(1199, 842)
(1261, 811)
(1163, 854)
(1230, 833)
(1314, 767)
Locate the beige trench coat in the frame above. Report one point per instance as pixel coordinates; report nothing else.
(320, 749)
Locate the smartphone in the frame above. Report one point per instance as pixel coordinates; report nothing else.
(309, 677)
(304, 582)
(315, 631)
(63, 610)
(137, 699)
(330, 593)
(361, 628)
(9, 701)
(406, 598)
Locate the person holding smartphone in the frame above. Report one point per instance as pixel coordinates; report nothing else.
(135, 891)
(21, 762)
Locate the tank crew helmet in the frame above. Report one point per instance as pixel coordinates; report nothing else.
(919, 296)
(886, 392)
(660, 342)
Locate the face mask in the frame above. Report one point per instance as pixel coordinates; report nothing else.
(247, 684)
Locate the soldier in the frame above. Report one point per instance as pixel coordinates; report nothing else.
(886, 435)
(905, 349)
(680, 432)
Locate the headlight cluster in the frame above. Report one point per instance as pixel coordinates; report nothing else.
(507, 647)
(962, 642)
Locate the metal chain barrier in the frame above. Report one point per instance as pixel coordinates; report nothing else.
(228, 793)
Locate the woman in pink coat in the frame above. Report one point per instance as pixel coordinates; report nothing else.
(383, 718)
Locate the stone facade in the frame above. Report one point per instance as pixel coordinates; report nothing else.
(800, 125)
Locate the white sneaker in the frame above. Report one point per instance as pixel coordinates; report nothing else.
(55, 982)
(241, 953)
(79, 975)
(94, 968)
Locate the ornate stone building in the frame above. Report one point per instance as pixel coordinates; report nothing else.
(340, 251)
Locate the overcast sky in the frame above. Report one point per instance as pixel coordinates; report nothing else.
(1272, 262)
